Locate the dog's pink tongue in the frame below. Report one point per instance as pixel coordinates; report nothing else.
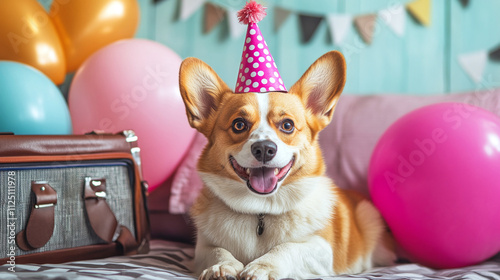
(263, 179)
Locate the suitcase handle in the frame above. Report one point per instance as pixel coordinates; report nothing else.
(102, 219)
(41, 220)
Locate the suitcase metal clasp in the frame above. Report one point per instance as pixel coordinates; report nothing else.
(95, 188)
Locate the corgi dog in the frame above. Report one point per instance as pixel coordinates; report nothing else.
(267, 210)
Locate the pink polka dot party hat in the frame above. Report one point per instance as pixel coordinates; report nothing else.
(258, 71)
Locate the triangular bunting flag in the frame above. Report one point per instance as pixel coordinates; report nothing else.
(395, 18)
(495, 54)
(366, 26)
(421, 11)
(188, 7)
(339, 25)
(474, 64)
(308, 25)
(213, 15)
(280, 15)
(235, 27)
(464, 3)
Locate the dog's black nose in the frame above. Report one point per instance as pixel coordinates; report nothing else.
(264, 151)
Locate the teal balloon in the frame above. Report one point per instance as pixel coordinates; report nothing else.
(30, 103)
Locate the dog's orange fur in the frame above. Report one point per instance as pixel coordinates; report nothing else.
(343, 233)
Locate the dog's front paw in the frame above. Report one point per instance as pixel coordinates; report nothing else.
(225, 270)
(260, 271)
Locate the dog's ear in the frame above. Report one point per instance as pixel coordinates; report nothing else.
(321, 85)
(201, 89)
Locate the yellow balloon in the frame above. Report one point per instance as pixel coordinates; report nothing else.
(27, 35)
(85, 26)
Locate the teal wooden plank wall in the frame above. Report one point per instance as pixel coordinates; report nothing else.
(423, 61)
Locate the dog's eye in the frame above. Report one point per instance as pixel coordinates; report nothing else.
(239, 125)
(287, 126)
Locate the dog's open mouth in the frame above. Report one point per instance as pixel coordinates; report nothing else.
(261, 180)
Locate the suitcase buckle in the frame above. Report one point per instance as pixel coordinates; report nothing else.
(43, 205)
(42, 193)
(100, 194)
(95, 188)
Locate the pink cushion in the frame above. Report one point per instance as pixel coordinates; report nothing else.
(187, 184)
(359, 121)
(347, 142)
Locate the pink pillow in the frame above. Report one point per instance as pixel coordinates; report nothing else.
(186, 182)
(347, 142)
(359, 121)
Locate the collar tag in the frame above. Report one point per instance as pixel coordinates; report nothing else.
(260, 224)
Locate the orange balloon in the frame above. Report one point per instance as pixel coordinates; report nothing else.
(85, 26)
(27, 35)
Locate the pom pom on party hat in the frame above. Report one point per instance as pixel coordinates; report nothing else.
(258, 71)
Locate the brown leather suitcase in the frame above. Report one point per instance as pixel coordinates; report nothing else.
(71, 197)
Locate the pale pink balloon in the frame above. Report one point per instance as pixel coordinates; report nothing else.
(434, 175)
(134, 84)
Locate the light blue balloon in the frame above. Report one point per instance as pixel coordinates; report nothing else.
(30, 103)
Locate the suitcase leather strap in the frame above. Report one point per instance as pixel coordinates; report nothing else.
(41, 220)
(103, 220)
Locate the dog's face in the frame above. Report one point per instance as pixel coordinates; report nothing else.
(261, 144)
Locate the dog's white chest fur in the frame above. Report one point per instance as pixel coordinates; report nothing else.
(237, 232)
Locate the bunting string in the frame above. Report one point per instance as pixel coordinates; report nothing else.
(340, 25)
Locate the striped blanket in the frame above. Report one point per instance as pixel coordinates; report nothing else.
(169, 260)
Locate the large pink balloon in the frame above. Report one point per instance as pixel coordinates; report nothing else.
(134, 84)
(434, 175)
